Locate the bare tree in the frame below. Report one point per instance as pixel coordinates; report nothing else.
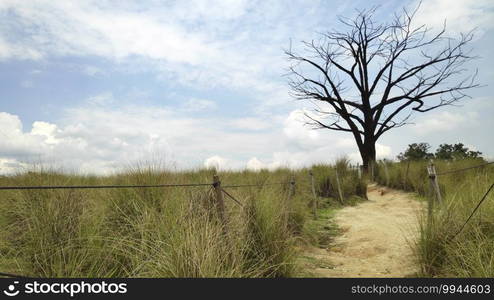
(371, 78)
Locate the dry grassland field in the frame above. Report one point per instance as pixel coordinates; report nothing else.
(271, 227)
(154, 144)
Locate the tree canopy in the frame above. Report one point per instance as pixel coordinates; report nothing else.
(456, 151)
(418, 151)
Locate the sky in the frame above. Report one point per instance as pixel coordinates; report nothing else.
(95, 87)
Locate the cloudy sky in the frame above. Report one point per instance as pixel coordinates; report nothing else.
(94, 86)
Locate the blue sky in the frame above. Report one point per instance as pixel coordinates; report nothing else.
(94, 86)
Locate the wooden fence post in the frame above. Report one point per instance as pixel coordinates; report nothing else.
(431, 170)
(405, 178)
(359, 172)
(314, 203)
(292, 187)
(338, 185)
(386, 173)
(371, 163)
(291, 192)
(220, 204)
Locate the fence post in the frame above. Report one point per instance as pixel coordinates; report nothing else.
(406, 174)
(386, 172)
(359, 172)
(220, 204)
(292, 187)
(371, 163)
(431, 170)
(291, 192)
(338, 185)
(314, 203)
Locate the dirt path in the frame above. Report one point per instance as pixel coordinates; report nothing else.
(375, 238)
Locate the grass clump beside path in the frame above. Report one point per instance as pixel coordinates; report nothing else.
(442, 250)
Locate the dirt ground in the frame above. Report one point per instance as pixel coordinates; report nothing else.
(375, 239)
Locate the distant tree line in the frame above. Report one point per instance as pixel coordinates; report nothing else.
(418, 151)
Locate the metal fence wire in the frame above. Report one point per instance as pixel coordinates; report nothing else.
(59, 187)
(474, 211)
(464, 169)
(2, 274)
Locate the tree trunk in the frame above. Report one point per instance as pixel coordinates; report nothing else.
(368, 154)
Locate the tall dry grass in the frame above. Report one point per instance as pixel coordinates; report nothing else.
(441, 250)
(156, 232)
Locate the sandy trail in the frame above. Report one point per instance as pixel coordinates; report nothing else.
(376, 236)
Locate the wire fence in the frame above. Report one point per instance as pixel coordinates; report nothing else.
(2, 274)
(216, 185)
(474, 211)
(464, 169)
(255, 185)
(59, 187)
(437, 192)
(233, 198)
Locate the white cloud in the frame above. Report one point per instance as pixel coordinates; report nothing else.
(255, 165)
(163, 37)
(237, 45)
(10, 124)
(15, 142)
(197, 105)
(355, 157)
(383, 151)
(250, 124)
(47, 130)
(460, 15)
(215, 162)
(94, 138)
(10, 49)
(10, 166)
(213, 9)
(87, 28)
(443, 121)
(92, 70)
(103, 99)
(298, 133)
